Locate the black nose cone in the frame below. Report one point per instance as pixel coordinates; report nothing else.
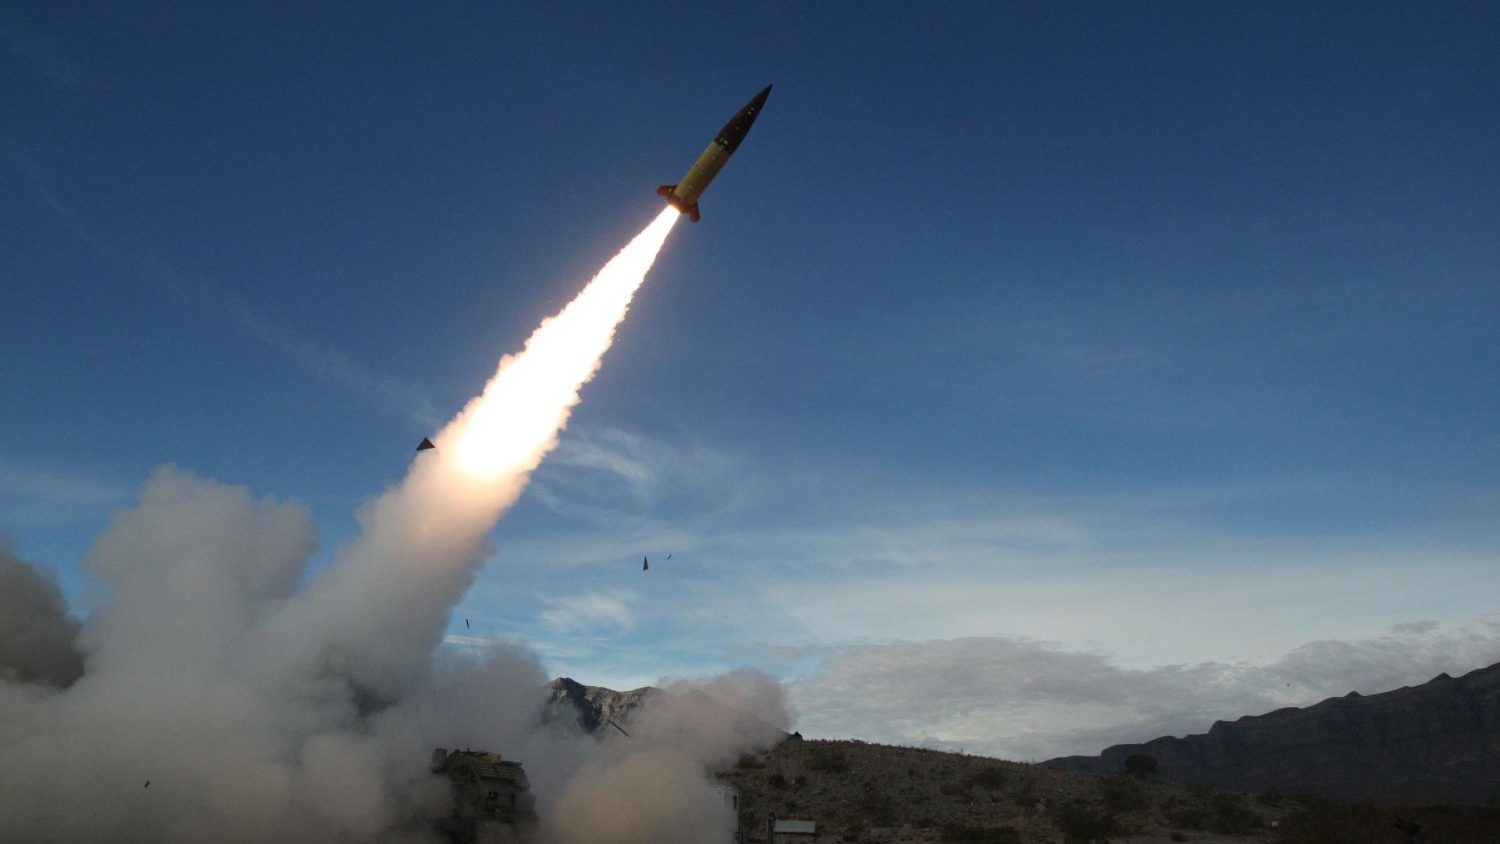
(738, 126)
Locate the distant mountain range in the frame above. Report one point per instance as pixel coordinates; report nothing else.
(1434, 743)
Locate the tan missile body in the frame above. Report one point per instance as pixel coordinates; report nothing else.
(684, 195)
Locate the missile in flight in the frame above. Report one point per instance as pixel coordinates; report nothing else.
(684, 195)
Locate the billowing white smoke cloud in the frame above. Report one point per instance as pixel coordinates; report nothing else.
(36, 634)
(658, 771)
(174, 693)
(220, 700)
(716, 719)
(624, 801)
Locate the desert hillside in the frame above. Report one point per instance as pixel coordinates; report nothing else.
(855, 791)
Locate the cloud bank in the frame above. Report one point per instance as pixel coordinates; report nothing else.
(1024, 699)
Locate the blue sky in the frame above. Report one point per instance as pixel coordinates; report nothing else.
(1157, 334)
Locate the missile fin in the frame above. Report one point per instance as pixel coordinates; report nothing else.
(670, 192)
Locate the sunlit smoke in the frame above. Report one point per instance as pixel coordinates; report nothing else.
(421, 540)
(515, 421)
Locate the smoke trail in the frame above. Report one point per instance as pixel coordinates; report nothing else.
(421, 539)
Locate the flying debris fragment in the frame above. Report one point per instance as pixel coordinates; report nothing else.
(617, 726)
(148, 784)
(669, 556)
(645, 564)
(684, 195)
(466, 624)
(425, 444)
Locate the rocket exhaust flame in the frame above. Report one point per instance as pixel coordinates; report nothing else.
(515, 421)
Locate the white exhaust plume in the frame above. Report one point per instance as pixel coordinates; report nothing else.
(420, 540)
(219, 701)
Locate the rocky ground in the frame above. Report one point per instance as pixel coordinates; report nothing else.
(856, 791)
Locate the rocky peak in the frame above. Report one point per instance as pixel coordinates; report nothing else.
(591, 707)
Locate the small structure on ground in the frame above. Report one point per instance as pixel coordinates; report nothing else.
(488, 793)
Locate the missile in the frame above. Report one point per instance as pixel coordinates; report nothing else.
(684, 195)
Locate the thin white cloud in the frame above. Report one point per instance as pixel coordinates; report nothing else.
(1025, 699)
(1080, 571)
(1146, 612)
(1154, 577)
(606, 476)
(610, 451)
(314, 357)
(31, 495)
(590, 611)
(329, 364)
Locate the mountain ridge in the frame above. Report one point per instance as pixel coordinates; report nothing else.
(1435, 742)
(590, 707)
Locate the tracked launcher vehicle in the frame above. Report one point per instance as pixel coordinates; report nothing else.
(492, 799)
